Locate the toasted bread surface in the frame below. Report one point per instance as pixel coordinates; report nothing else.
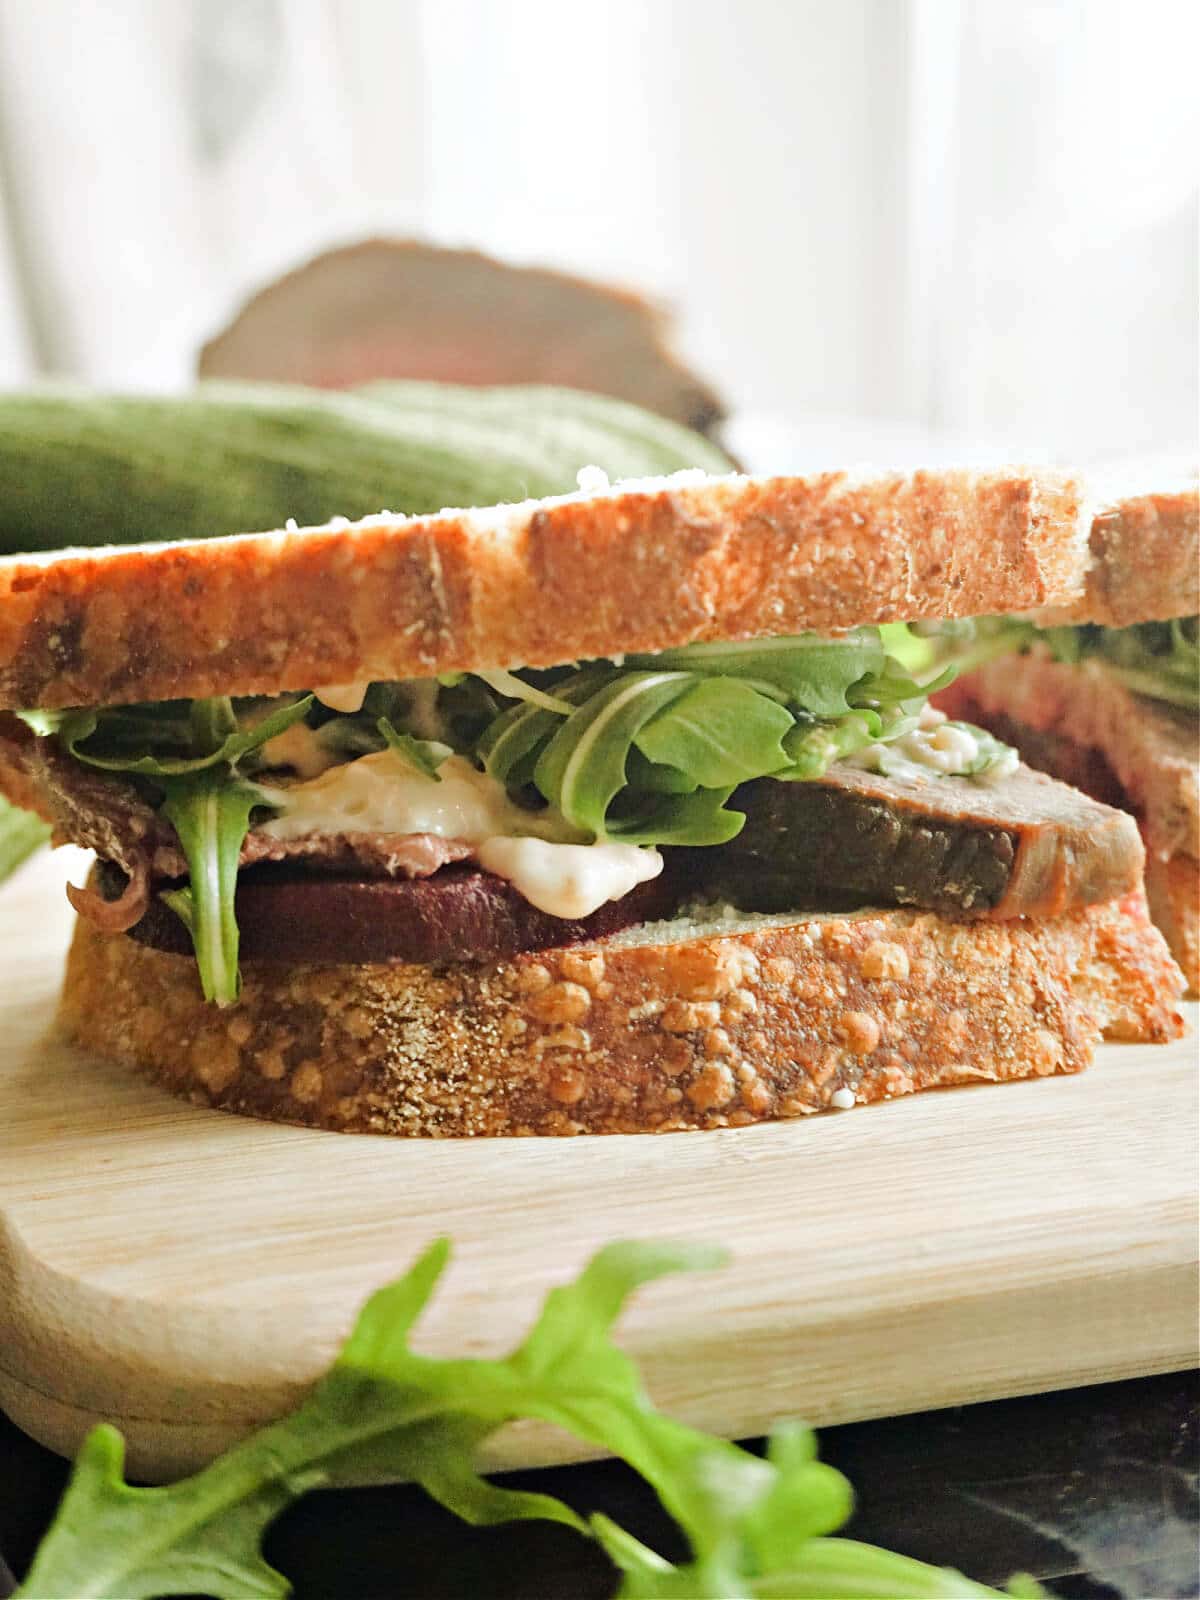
(642, 567)
(1173, 894)
(668, 1026)
(1144, 561)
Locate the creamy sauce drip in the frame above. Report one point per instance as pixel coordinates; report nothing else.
(937, 747)
(534, 851)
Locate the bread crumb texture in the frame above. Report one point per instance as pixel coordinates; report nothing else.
(645, 567)
(783, 1020)
(1173, 893)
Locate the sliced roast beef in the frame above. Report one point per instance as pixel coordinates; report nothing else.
(98, 810)
(460, 914)
(105, 812)
(1027, 846)
(391, 308)
(1152, 748)
(1083, 766)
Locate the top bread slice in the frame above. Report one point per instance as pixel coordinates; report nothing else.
(1144, 552)
(641, 566)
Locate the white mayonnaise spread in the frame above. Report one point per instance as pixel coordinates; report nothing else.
(569, 880)
(300, 748)
(936, 746)
(382, 794)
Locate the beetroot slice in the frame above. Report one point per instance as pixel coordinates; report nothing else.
(458, 914)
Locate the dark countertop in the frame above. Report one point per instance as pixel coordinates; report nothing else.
(1092, 1490)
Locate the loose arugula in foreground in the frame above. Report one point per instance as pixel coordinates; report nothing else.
(756, 1527)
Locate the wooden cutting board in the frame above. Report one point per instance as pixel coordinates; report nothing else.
(186, 1273)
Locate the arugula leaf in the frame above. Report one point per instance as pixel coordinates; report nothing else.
(514, 688)
(770, 1543)
(698, 818)
(1158, 659)
(694, 723)
(210, 811)
(380, 1413)
(214, 738)
(892, 686)
(426, 755)
(812, 746)
(208, 805)
(756, 1527)
(583, 766)
(510, 746)
(721, 732)
(809, 671)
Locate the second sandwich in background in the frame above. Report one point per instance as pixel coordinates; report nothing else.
(1106, 694)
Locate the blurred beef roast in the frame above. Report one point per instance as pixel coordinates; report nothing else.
(390, 308)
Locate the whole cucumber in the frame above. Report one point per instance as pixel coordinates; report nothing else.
(20, 835)
(78, 468)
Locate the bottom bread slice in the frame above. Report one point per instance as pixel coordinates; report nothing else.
(703, 1023)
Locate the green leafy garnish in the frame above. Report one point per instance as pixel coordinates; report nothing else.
(512, 687)
(423, 755)
(801, 669)
(210, 735)
(201, 794)
(647, 751)
(509, 746)
(813, 747)
(756, 1527)
(211, 815)
(720, 732)
(1160, 660)
(583, 766)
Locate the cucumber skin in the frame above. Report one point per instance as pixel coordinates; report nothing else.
(21, 833)
(91, 469)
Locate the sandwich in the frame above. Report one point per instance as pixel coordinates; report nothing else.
(1105, 693)
(613, 812)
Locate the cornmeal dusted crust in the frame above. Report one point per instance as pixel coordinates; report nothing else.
(668, 1026)
(1145, 560)
(644, 567)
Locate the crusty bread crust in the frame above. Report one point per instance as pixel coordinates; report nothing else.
(1173, 894)
(1145, 561)
(668, 1027)
(645, 567)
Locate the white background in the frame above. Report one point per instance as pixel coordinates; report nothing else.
(968, 217)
